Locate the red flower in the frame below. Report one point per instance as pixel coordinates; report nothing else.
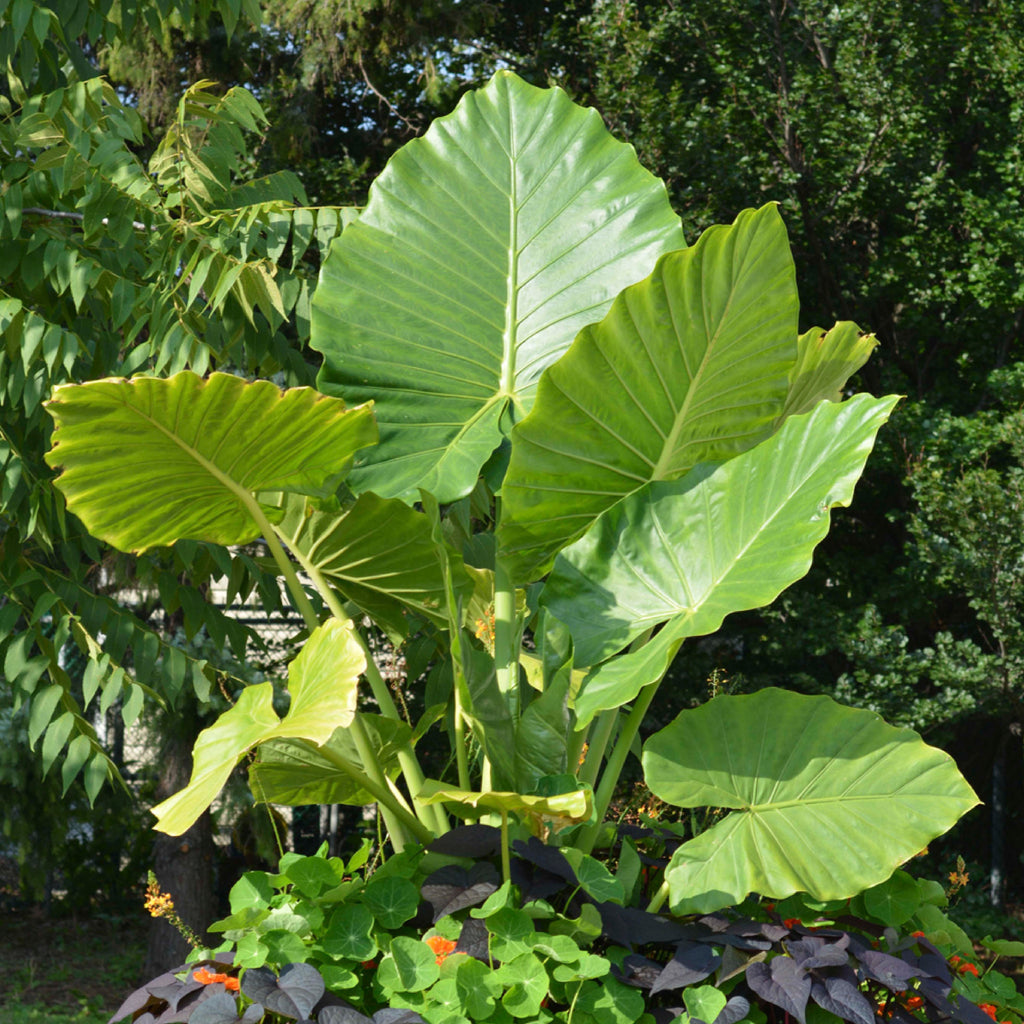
(917, 935)
(988, 1008)
(791, 922)
(966, 968)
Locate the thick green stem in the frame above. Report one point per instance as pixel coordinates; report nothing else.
(506, 861)
(284, 563)
(506, 638)
(613, 769)
(659, 898)
(389, 805)
(602, 731)
(431, 507)
(600, 734)
(431, 816)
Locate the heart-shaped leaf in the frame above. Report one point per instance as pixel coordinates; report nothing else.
(690, 365)
(322, 681)
(721, 540)
(149, 461)
(294, 994)
(484, 247)
(805, 777)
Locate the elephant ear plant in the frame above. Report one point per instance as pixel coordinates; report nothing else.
(551, 443)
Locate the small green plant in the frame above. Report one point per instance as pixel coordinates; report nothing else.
(437, 936)
(551, 444)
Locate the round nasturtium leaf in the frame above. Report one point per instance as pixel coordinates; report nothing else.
(150, 460)
(484, 248)
(825, 799)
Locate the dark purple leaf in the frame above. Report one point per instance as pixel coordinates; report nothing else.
(783, 983)
(141, 996)
(735, 961)
(474, 841)
(453, 888)
(692, 962)
(637, 971)
(935, 964)
(300, 987)
(734, 1011)
(259, 982)
(813, 952)
(967, 1012)
(473, 939)
(173, 991)
(666, 1014)
(840, 994)
(394, 1015)
(548, 858)
(342, 1015)
(534, 883)
(936, 992)
(220, 1008)
(630, 926)
(253, 1013)
(891, 971)
(774, 932)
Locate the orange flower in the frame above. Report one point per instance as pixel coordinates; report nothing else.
(440, 947)
(205, 977)
(966, 968)
(917, 935)
(914, 1003)
(791, 922)
(988, 1008)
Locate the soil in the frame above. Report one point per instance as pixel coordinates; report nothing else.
(61, 961)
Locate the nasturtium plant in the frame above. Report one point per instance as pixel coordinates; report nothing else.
(551, 444)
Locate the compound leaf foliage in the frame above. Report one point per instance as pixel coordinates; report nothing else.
(825, 799)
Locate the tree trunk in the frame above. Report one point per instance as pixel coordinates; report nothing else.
(183, 866)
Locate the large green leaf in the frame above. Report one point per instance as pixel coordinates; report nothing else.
(827, 800)
(322, 682)
(690, 365)
(484, 248)
(149, 461)
(290, 772)
(721, 540)
(825, 362)
(379, 553)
